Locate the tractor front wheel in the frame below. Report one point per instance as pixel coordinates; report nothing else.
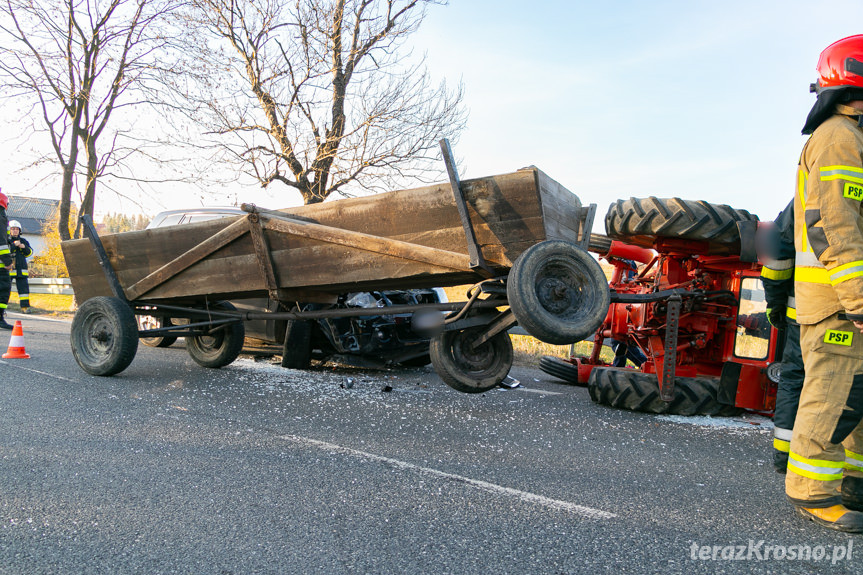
(636, 391)
(560, 368)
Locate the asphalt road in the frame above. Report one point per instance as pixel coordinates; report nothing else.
(172, 468)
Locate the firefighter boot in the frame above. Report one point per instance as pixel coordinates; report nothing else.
(3, 323)
(852, 493)
(837, 517)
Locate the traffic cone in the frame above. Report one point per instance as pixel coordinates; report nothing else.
(16, 344)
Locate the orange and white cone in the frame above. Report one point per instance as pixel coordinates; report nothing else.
(16, 344)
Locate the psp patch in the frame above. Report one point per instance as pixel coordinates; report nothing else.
(837, 337)
(853, 191)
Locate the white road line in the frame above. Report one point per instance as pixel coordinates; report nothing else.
(483, 485)
(542, 391)
(39, 372)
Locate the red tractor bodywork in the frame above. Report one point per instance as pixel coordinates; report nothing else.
(722, 328)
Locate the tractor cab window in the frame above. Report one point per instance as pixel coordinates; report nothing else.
(753, 329)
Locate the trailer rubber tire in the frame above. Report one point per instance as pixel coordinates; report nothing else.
(636, 391)
(560, 368)
(152, 322)
(104, 336)
(471, 370)
(222, 347)
(641, 221)
(297, 348)
(558, 292)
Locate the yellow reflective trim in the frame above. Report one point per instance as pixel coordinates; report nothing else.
(812, 275)
(792, 467)
(848, 173)
(777, 275)
(783, 446)
(791, 313)
(826, 463)
(819, 469)
(847, 277)
(801, 191)
(854, 169)
(852, 455)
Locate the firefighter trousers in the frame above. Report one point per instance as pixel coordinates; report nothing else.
(22, 286)
(5, 287)
(827, 443)
(787, 395)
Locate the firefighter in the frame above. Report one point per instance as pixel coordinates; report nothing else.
(21, 250)
(825, 460)
(777, 275)
(5, 264)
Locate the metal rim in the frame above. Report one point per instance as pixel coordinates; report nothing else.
(560, 287)
(99, 336)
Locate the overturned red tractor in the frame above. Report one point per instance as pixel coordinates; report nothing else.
(688, 314)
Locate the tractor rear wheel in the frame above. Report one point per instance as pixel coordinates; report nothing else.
(637, 391)
(559, 368)
(641, 221)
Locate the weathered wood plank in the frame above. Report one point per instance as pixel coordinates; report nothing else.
(188, 259)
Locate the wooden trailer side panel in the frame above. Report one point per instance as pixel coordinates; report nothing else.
(509, 213)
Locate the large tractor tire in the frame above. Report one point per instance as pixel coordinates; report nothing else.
(558, 292)
(637, 391)
(559, 368)
(641, 221)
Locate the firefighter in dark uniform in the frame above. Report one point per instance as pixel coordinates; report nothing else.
(825, 459)
(5, 264)
(21, 250)
(777, 275)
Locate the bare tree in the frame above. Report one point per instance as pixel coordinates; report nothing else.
(318, 94)
(76, 60)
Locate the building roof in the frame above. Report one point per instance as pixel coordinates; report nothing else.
(31, 212)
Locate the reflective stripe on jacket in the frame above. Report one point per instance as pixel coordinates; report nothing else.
(828, 220)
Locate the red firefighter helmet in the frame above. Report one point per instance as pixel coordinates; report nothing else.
(4, 201)
(841, 64)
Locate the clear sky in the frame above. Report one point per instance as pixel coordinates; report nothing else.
(697, 99)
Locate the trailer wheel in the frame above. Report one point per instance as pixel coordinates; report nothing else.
(637, 391)
(560, 368)
(641, 221)
(558, 292)
(297, 348)
(221, 347)
(471, 369)
(152, 322)
(104, 336)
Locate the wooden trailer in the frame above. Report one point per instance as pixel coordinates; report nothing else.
(521, 237)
